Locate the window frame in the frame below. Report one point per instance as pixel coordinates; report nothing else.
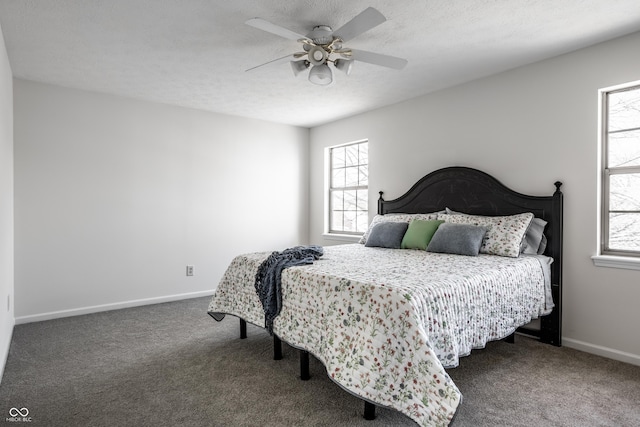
(607, 256)
(329, 189)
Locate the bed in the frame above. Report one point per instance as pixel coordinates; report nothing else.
(387, 322)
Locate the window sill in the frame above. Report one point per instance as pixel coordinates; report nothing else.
(628, 263)
(349, 238)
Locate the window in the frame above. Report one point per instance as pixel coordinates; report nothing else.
(620, 169)
(349, 188)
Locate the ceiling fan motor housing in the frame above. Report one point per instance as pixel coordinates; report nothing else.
(321, 34)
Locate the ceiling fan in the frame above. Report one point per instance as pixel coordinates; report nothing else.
(323, 46)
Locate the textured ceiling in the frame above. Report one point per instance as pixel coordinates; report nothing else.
(194, 53)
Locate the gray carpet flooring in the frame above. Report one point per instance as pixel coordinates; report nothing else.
(172, 365)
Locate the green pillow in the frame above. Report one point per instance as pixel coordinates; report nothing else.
(419, 233)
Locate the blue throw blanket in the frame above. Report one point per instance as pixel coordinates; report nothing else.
(268, 277)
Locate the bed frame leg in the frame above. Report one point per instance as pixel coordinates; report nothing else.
(304, 365)
(511, 338)
(277, 348)
(369, 411)
(243, 329)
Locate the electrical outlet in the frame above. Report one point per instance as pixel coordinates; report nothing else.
(189, 270)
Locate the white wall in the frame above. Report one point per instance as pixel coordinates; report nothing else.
(6, 205)
(528, 127)
(114, 197)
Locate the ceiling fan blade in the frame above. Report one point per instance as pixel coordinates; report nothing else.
(378, 59)
(267, 26)
(365, 21)
(273, 62)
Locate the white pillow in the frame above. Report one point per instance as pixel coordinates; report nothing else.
(534, 242)
(504, 233)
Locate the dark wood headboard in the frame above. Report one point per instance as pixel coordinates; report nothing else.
(475, 192)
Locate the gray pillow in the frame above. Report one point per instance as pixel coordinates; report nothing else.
(534, 238)
(459, 239)
(387, 235)
(534, 241)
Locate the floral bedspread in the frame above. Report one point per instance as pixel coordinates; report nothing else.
(387, 322)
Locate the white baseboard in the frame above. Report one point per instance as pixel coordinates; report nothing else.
(107, 307)
(610, 353)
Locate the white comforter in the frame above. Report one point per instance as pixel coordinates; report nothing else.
(387, 322)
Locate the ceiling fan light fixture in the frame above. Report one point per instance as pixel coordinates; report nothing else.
(320, 75)
(344, 65)
(299, 66)
(317, 55)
